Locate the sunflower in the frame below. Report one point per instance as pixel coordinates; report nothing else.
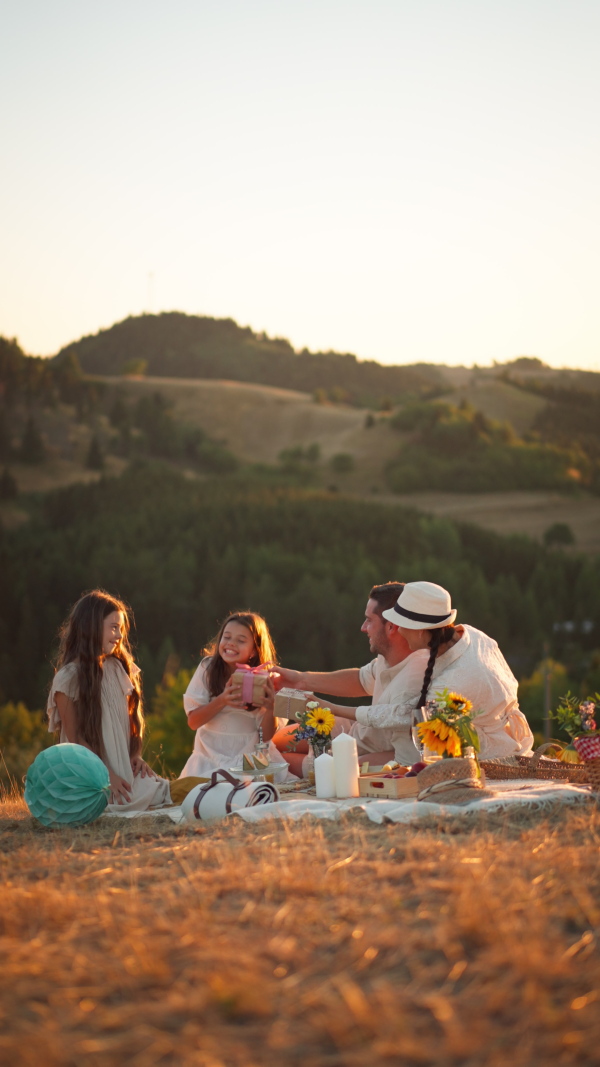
(322, 720)
(439, 737)
(459, 703)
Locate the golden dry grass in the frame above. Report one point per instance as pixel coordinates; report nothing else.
(314, 943)
(499, 400)
(528, 512)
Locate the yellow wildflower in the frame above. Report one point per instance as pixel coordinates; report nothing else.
(439, 737)
(322, 720)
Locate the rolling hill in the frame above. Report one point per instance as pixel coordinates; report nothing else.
(174, 345)
(257, 399)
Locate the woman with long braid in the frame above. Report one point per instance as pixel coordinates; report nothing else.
(461, 659)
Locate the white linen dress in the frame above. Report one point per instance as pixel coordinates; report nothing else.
(146, 792)
(474, 667)
(221, 742)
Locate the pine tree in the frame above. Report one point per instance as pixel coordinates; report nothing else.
(4, 437)
(8, 486)
(95, 457)
(32, 447)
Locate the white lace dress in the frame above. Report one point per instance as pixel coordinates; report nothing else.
(221, 742)
(116, 686)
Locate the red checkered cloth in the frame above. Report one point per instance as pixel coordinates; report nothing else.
(588, 747)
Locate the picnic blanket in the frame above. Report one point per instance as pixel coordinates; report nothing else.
(504, 796)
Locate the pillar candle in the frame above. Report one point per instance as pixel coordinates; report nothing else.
(324, 776)
(345, 765)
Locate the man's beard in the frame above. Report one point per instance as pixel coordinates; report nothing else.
(379, 646)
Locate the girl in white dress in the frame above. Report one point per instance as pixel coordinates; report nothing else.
(95, 700)
(225, 727)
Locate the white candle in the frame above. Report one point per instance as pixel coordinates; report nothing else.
(324, 776)
(345, 765)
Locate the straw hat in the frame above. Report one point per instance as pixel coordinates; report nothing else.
(422, 606)
(452, 781)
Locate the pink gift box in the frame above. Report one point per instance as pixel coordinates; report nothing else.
(253, 681)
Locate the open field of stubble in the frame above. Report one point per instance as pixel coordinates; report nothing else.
(347, 944)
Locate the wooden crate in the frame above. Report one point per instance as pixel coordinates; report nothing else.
(376, 785)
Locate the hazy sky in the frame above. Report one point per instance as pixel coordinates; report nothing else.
(403, 180)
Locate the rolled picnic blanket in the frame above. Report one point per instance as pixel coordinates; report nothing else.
(224, 794)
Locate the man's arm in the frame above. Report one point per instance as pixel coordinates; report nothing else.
(338, 683)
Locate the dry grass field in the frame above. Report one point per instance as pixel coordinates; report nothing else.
(499, 400)
(257, 421)
(518, 512)
(334, 945)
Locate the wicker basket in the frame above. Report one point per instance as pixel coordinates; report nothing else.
(593, 768)
(532, 767)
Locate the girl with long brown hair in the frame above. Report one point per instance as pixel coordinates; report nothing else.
(225, 727)
(95, 699)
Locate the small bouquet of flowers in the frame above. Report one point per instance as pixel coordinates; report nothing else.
(579, 720)
(448, 726)
(315, 726)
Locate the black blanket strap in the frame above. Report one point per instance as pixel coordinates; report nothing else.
(214, 780)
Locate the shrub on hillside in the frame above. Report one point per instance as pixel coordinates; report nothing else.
(23, 734)
(560, 533)
(169, 740)
(461, 450)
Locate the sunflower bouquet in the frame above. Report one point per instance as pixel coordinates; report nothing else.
(314, 725)
(448, 728)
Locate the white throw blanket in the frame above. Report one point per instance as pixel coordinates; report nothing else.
(506, 796)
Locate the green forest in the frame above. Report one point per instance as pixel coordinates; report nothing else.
(184, 553)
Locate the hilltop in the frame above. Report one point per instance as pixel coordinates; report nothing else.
(175, 345)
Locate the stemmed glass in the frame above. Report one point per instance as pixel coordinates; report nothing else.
(419, 715)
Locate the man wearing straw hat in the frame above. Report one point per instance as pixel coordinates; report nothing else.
(440, 656)
(381, 679)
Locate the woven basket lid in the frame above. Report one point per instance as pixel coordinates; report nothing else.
(450, 771)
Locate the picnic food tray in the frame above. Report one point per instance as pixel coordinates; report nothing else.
(378, 785)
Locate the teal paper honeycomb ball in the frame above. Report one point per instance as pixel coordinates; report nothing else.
(67, 785)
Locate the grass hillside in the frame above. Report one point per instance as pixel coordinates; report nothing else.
(498, 399)
(257, 423)
(520, 429)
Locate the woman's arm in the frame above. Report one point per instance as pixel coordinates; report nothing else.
(340, 709)
(230, 697)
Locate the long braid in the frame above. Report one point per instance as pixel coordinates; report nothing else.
(438, 637)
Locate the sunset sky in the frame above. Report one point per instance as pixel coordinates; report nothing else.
(406, 181)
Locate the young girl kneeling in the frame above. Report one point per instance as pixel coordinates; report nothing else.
(225, 729)
(95, 700)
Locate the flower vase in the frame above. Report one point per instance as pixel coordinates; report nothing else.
(308, 764)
